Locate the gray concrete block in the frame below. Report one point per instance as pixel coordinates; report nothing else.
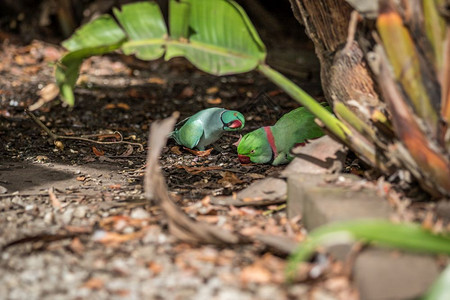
(327, 205)
(299, 184)
(387, 275)
(378, 274)
(321, 202)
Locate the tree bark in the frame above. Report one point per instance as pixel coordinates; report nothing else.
(345, 75)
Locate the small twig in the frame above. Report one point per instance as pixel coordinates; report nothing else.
(40, 124)
(271, 211)
(54, 137)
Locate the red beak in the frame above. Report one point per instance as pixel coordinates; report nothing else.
(244, 159)
(236, 124)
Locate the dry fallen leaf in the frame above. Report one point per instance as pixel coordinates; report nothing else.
(255, 274)
(214, 101)
(41, 158)
(229, 177)
(98, 152)
(262, 192)
(197, 170)
(94, 283)
(134, 93)
(114, 238)
(115, 186)
(208, 219)
(77, 246)
(156, 80)
(206, 201)
(274, 93)
(47, 94)
(55, 202)
(123, 106)
(154, 267)
(199, 153)
(187, 92)
(81, 178)
(427, 222)
(212, 90)
(119, 222)
(176, 150)
(109, 106)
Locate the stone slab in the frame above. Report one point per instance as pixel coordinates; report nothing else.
(379, 274)
(329, 197)
(389, 275)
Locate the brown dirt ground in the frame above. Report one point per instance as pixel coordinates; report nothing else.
(75, 225)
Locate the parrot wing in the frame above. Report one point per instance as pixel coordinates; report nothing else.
(191, 133)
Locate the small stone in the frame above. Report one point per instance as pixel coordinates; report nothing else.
(80, 212)
(139, 213)
(3, 190)
(269, 292)
(298, 291)
(29, 207)
(232, 294)
(67, 216)
(18, 201)
(49, 218)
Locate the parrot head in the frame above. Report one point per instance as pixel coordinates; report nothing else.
(255, 147)
(232, 120)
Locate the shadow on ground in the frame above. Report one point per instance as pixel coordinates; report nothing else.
(27, 177)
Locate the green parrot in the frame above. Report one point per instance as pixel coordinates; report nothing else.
(272, 144)
(206, 127)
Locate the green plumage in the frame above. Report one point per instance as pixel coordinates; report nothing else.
(293, 128)
(206, 127)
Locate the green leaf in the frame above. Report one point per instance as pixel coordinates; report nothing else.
(103, 31)
(222, 39)
(144, 24)
(411, 237)
(179, 20)
(101, 36)
(216, 36)
(441, 287)
(68, 68)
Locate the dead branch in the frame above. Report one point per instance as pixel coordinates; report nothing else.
(180, 225)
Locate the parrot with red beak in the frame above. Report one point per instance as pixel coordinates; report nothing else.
(272, 144)
(206, 127)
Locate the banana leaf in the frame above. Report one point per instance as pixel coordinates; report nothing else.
(410, 237)
(441, 288)
(215, 36)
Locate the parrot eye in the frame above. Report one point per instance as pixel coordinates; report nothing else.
(253, 151)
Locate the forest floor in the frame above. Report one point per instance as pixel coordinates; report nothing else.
(74, 222)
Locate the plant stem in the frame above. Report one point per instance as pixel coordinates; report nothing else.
(334, 125)
(338, 129)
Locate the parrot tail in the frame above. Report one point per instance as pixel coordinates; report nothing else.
(174, 135)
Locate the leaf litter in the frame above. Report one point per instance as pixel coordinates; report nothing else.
(76, 226)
